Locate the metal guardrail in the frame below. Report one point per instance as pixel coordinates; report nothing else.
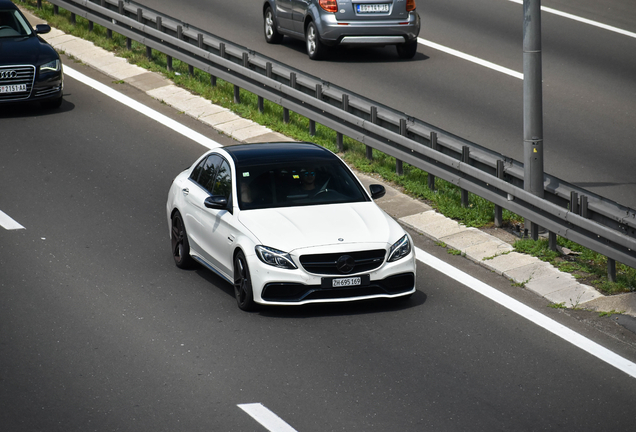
(566, 210)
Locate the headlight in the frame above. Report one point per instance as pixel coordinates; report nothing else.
(400, 249)
(275, 257)
(50, 66)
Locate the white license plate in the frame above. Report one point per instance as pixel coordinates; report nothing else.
(372, 8)
(14, 88)
(352, 281)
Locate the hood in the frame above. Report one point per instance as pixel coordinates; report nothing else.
(26, 50)
(291, 228)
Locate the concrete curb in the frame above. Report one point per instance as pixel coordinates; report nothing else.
(484, 249)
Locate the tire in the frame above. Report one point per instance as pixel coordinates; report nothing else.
(52, 104)
(407, 50)
(243, 284)
(315, 48)
(269, 28)
(180, 244)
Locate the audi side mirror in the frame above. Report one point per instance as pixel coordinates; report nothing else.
(42, 28)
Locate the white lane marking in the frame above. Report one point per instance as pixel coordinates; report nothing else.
(530, 314)
(470, 58)
(164, 120)
(265, 417)
(583, 20)
(8, 223)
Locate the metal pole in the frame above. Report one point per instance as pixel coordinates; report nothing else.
(532, 103)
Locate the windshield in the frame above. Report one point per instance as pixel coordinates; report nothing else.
(12, 24)
(297, 184)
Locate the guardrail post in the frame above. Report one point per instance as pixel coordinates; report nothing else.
(222, 50)
(340, 142)
(499, 209)
(374, 120)
(465, 159)
(109, 32)
(552, 241)
(73, 18)
(39, 4)
(584, 210)
(399, 166)
(90, 26)
(237, 94)
(574, 202)
(56, 9)
(292, 80)
(345, 102)
(611, 270)
(312, 127)
(431, 177)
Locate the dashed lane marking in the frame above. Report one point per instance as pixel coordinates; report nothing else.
(8, 223)
(267, 418)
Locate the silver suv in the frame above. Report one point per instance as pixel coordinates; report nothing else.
(324, 23)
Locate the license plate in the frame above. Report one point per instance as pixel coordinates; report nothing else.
(352, 281)
(372, 8)
(14, 88)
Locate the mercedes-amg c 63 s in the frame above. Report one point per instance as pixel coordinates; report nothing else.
(287, 224)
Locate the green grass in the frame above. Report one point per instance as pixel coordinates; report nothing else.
(589, 267)
(446, 198)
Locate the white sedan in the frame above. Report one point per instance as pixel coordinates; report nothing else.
(287, 224)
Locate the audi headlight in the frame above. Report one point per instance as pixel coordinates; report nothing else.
(400, 249)
(275, 258)
(53, 66)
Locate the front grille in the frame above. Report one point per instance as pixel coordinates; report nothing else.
(16, 75)
(326, 264)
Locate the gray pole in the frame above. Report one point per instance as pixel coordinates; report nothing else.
(532, 103)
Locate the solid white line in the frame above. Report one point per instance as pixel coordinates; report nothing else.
(8, 223)
(583, 20)
(539, 319)
(265, 417)
(470, 58)
(166, 121)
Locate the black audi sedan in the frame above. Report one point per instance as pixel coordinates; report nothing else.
(30, 69)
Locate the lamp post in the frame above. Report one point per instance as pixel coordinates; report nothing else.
(532, 104)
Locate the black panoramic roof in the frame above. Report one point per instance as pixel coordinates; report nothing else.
(274, 153)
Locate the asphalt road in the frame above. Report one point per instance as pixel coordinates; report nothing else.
(100, 331)
(589, 88)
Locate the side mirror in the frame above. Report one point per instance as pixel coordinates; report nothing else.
(42, 28)
(218, 202)
(377, 191)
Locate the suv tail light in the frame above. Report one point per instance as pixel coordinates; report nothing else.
(410, 5)
(331, 5)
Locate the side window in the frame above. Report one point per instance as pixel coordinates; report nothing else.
(204, 173)
(223, 183)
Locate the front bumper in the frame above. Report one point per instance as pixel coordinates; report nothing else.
(40, 86)
(274, 286)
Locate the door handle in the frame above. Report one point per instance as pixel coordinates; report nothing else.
(185, 191)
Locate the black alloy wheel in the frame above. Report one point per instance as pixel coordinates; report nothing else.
(243, 283)
(180, 244)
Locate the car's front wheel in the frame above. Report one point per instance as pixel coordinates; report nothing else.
(243, 283)
(407, 50)
(180, 244)
(315, 48)
(269, 25)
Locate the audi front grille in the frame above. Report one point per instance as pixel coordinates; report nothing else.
(11, 76)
